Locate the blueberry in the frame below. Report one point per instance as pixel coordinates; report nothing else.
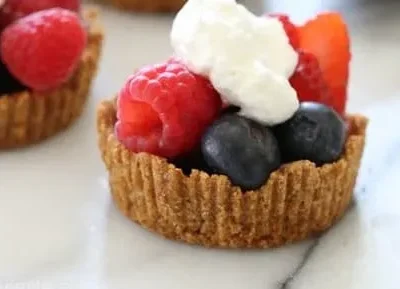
(8, 83)
(190, 161)
(315, 133)
(241, 149)
(231, 109)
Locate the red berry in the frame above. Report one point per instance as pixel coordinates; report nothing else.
(164, 110)
(327, 37)
(308, 80)
(16, 9)
(290, 28)
(43, 49)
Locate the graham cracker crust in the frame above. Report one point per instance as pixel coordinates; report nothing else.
(30, 117)
(298, 201)
(149, 5)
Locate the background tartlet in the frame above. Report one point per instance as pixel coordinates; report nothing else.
(298, 201)
(29, 117)
(149, 5)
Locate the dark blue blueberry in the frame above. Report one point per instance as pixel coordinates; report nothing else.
(231, 109)
(190, 161)
(315, 133)
(241, 149)
(8, 84)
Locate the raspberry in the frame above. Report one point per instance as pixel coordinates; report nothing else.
(164, 110)
(16, 9)
(290, 28)
(43, 49)
(308, 80)
(327, 37)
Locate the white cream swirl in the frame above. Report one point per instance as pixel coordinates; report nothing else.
(247, 58)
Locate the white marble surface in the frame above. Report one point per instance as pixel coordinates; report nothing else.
(59, 230)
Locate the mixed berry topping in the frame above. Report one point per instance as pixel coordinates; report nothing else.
(170, 111)
(41, 43)
(322, 71)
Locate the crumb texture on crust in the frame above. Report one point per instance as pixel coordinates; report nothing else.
(29, 117)
(298, 201)
(149, 5)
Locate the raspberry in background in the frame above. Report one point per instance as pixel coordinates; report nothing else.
(43, 49)
(164, 110)
(290, 29)
(16, 9)
(308, 80)
(327, 38)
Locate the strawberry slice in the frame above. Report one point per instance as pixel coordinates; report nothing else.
(327, 38)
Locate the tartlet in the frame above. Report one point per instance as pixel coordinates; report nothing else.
(237, 146)
(299, 200)
(29, 117)
(149, 5)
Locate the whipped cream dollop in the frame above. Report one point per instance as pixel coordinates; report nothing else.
(247, 58)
